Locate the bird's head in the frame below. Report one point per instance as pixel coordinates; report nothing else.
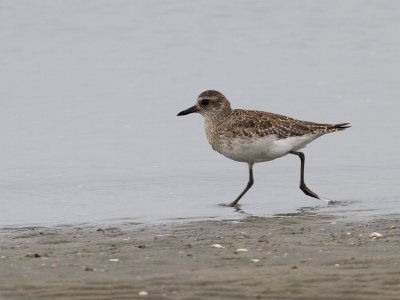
(209, 103)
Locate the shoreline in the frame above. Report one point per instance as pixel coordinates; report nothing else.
(299, 256)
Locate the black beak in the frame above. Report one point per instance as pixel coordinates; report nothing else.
(190, 110)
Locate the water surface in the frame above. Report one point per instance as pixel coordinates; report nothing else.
(90, 92)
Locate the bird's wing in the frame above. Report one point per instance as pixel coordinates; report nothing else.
(246, 123)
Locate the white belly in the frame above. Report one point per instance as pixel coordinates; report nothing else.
(263, 149)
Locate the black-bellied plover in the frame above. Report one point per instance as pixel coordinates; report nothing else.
(255, 136)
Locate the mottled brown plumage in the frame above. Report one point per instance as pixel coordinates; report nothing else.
(253, 123)
(225, 125)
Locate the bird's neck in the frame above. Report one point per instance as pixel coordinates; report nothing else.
(215, 118)
(212, 123)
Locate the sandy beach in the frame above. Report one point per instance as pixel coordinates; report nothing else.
(300, 256)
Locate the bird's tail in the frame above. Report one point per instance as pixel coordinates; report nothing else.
(339, 127)
(342, 126)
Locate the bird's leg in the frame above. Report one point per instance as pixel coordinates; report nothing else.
(303, 186)
(248, 186)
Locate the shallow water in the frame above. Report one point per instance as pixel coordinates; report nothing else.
(90, 92)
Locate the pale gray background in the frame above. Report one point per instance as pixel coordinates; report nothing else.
(90, 89)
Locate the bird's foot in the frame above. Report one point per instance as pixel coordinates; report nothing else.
(233, 204)
(309, 192)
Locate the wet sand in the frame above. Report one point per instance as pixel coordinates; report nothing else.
(303, 256)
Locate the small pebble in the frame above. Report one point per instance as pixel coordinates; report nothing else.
(241, 250)
(217, 246)
(113, 259)
(143, 293)
(255, 260)
(375, 235)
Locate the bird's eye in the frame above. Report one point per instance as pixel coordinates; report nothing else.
(205, 102)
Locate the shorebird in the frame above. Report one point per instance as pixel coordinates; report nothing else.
(256, 136)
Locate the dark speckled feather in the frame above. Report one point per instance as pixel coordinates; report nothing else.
(252, 123)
